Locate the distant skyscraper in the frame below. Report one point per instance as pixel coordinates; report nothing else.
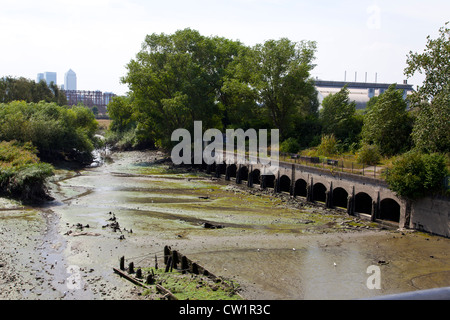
(50, 77)
(40, 76)
(70, 80)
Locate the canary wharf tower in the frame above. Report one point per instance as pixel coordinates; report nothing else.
(70, 80)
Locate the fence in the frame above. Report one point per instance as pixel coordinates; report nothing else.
(377, 172)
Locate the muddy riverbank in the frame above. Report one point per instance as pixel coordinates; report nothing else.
(275, 248)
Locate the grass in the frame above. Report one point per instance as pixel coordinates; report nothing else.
(194, 287)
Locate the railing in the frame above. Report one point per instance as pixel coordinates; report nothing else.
(377, 172)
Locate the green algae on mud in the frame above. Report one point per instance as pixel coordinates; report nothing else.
(193, 287)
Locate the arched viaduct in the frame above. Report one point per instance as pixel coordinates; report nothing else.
(358, 195)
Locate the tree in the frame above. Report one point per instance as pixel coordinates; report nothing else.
(13, 89)
(177, 79)
(387, 123)
(120, 111)
(434, 62)
(432, 99)
(431, 131)
(414, 175)
(280, 75)
(338, 117)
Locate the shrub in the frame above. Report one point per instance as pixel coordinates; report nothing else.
(55, 131)
(290, 146)
(328, 146)
(368, 154)
(414, 175)
(22, 175)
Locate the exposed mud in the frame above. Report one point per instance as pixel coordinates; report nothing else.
(274, 246)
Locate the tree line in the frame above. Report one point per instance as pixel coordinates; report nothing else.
(183, 77)
(13, 89)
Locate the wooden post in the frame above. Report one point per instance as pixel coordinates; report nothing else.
(122, 263)
(166, 254)
(131, 267)
(156, 263)
(174, 259)
(139, 273)
(169, 264)
(150, 279)
(184, 264)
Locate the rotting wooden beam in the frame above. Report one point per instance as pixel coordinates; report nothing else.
(129, 278)
(166, 292)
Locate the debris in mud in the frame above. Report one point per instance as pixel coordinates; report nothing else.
(208, 225)
(114, 225)
(76, 234)
(80, 227)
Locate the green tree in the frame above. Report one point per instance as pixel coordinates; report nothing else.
(431, 131)
(55, 131)
(387, 123)
(414, 175)
(434, 63)
(177, 79)
(120, 111)
(338, 117)
(280, 76)
(432, 99)
(13, 89)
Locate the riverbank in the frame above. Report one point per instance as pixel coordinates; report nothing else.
(274, 247)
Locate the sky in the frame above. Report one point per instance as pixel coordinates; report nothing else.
(98, 38)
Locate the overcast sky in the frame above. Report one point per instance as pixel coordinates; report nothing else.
(97, 38)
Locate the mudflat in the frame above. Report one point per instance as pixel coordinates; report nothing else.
(274, 246)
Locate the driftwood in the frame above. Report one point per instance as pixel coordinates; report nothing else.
(129, 278)
(167, 294)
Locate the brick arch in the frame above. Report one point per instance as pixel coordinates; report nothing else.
(243, 173)
(319, 192)
(285, 183)
(301, 188)
(389, 210)
(256, 176)
(340, 196)
(270, 181)
(232, 170)
(363, 203)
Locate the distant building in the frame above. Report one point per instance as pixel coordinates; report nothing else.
(40, 76)
(89, 99)
(70, 80)
(359, 92)
(50, 77)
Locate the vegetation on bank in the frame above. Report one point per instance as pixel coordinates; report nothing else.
(22, 175)
(31, 132)
(57, 132)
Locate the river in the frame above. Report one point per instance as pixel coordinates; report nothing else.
(273, 246)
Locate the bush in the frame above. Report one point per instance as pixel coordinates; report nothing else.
(368, 154)
(290, 146)
(414, 175)
(22, 175)
(328, 146)
(56, 132)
